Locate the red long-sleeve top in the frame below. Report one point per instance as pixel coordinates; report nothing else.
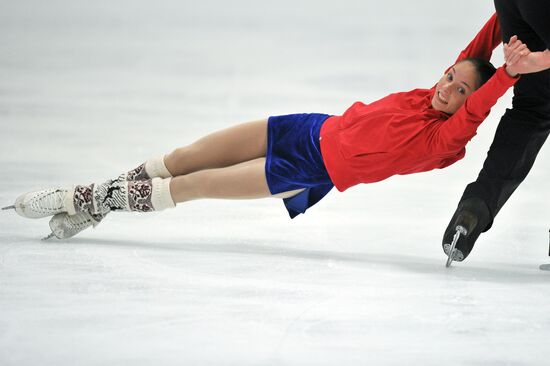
(402, 133)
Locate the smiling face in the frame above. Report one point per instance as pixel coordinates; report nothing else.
(454, 87)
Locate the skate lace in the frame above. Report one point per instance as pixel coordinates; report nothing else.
(48, 201)
(78, 222)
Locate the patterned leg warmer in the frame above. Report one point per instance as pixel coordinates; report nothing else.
(152, 168)
(83, 213)
(82, 196)
(115, 195)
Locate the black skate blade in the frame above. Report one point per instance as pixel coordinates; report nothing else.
(12, 207)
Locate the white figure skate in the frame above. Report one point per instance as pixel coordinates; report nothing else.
(44, 203)
(65, 226)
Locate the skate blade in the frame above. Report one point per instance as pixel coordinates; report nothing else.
(452, 250)
(51, 235)
(12, 207)
(456, 256)
(450, 258)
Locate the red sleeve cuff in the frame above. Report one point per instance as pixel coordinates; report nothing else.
(505, 78)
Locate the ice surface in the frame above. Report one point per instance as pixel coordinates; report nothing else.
(90, 89)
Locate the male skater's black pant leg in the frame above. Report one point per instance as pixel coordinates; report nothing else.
(518, 140)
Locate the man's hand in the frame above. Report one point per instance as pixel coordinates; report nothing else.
(520, 60)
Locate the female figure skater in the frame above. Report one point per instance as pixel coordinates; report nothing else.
(300, 157)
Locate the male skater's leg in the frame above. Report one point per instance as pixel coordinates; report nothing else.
(520, 134)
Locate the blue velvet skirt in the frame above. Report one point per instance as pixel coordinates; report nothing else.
(294, 161)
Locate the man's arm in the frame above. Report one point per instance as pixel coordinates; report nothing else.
(533, 62)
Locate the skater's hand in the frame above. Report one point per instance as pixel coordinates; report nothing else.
(520, 60)
(515, 52)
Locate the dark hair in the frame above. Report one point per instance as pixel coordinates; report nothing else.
(484, 69)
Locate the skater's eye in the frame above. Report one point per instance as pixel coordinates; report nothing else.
(462, 91)
(450, 76)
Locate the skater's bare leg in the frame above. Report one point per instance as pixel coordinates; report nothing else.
(242, 181)
(234, 145)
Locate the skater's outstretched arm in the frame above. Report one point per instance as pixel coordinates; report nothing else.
(483, 44)
(462, 125)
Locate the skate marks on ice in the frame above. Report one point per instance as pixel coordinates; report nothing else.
(162, 252)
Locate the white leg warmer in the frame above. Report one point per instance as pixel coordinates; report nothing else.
(156, 168)
(161, 197)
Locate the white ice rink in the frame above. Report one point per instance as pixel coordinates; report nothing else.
(89, 89)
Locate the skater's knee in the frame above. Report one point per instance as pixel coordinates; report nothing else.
(175, 161)
(178, 153)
